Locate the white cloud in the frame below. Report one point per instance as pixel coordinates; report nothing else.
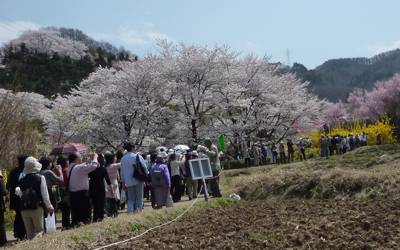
(101, 36)
(250, 45)
(140, 36)
(12, 29)
(383, 47)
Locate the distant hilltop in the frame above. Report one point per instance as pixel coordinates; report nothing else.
(52, 61)
(336, 78)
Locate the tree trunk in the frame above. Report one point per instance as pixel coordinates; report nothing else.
(194, 131)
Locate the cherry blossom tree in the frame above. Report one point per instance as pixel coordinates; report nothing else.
(183, 94)
(126, 102)
(335, 113)
(260, 103)
(19, 131)
(49, 41)
(382, 100)
(197, 73)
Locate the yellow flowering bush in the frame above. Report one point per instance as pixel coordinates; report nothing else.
(383, 126)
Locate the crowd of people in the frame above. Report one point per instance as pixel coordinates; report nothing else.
(86, 188)
(284, 152)
(273, 153)
(337, 145)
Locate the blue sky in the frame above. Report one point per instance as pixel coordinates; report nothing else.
(312, 30)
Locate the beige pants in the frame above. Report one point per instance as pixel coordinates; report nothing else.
(33, 221)
(191, 186)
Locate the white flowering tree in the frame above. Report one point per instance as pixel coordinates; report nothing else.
(49, 41)
(260, 103)
(19, 130)
(198, 73)
(126, 102)
(184, 94)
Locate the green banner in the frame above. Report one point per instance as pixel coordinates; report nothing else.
(221, 142)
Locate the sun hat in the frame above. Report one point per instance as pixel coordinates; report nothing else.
(162, 155)
(31, 165)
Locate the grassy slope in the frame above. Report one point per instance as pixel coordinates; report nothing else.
(366, 172)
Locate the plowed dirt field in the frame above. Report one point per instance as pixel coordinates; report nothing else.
(282, 224)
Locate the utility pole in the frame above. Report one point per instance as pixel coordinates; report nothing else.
(288, 62)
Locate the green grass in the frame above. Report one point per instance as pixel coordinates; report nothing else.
(364, 173)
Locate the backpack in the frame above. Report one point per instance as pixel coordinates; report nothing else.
(31, 197)
(138, 170)
(157, 179)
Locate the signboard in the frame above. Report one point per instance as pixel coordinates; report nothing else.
(200, 168)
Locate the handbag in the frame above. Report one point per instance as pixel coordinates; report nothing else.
(169, 202)
(139, 173)
(50, 223)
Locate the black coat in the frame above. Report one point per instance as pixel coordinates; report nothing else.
(3, 192)
(12, 183)
(96, 182)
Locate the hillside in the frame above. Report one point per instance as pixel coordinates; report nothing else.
(336, 78)
(52, 60)
(346, 202)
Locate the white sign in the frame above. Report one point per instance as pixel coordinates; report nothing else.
(200, 168)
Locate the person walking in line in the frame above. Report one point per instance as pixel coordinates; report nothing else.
(176, 177)
(324, 147)
(3, 192)
(343, 145)
(379, 139)
(290, 149)
(64, 193)
(257, 155)
(97, 189)
(34, 196)
(112, 192)
(122, 194)
(52, 179)
(160, 181)
(274, 154)
(151, 163)
(246, 154)
(78, 186)
(191, 185)
(15, 201)
(282, 155)
(301, 147)
(212, 152)
(132, 185)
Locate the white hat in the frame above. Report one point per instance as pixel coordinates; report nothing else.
(162, 155)
(32, 165)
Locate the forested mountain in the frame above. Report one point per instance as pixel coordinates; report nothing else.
(336, 78)
(52, 61)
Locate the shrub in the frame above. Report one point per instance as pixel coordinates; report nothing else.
(234, 164)
(383, 126)
(18, 132)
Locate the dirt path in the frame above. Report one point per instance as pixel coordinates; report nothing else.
(310, 224)
(147, 206)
